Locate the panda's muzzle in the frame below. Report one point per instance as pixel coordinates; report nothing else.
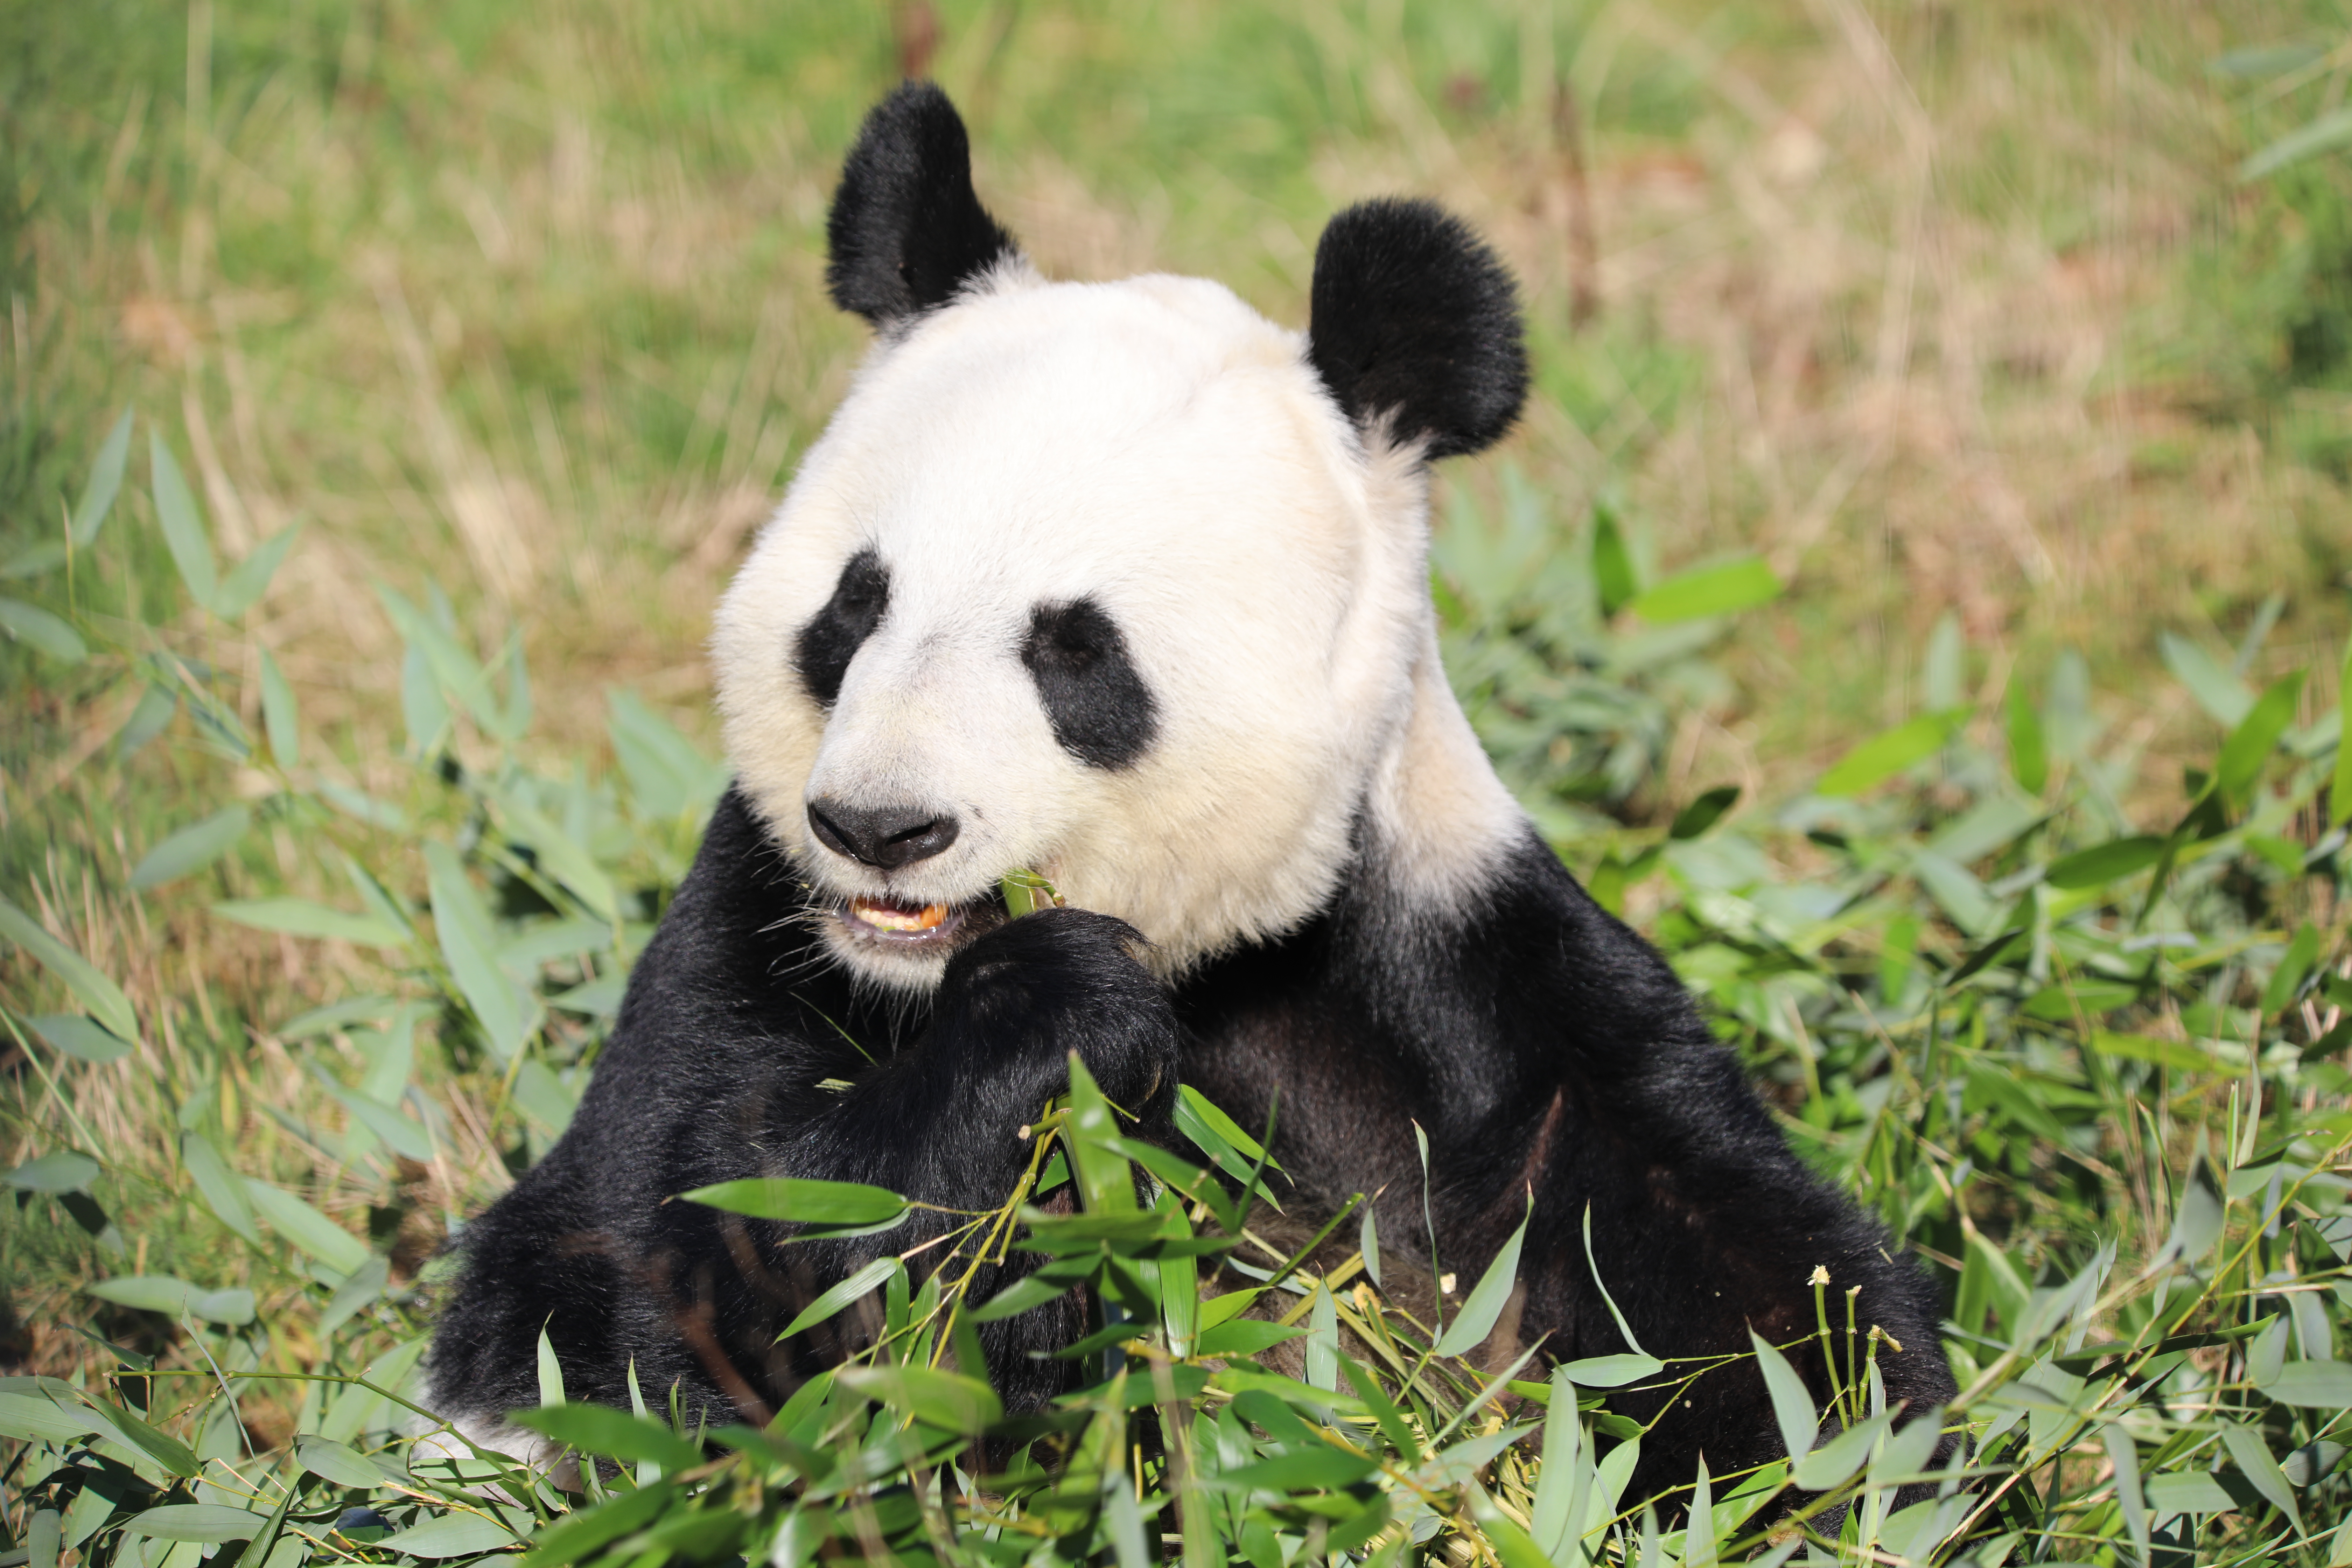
(891, 838)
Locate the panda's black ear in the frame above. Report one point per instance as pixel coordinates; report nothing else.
(1414, 318)
(905, 230)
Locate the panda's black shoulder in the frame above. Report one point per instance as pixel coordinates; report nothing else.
(729, 982)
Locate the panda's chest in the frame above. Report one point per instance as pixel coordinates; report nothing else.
(1276, 1034)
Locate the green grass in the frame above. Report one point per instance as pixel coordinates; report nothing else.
(1955, 316)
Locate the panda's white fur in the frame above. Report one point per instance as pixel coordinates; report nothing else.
(1159, 446)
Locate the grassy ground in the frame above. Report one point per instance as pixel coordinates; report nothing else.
(1959, 315)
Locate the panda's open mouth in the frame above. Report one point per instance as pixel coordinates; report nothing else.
(902, 923)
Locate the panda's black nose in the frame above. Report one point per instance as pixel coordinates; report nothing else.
(888, 837)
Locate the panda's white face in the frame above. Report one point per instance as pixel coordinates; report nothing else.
(1093, 579)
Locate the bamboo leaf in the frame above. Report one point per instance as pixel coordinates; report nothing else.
(2254, 1456)
(363, 1288)
(2339, 799)
(133, 1433)
(1124, 1516)
(1698, 1530)
(400, 1132)
(1323, 1338)
(1717, 590)
(514, 716)
(2188, 1491)
(1834, 1462)
(856, 1288)
(31, 1420)
(2181, 1055)
(2124, 1455)
(204, 1522)
(38, 628)
(2029, 752)
(1477, 1319)
(1623, 1327)
(421, 707)
(1704, 813)
(1612, 563)
(192, 848)
(2104, 863)
(1392, 1421)
(551, 1374)
(802, 1200)
(469, 947)
(278, 714)
(1907, 1452)
(1612, 1371)
(1890, 752)
(576, 1535)
(2264, 59)
(562, 857)
(2318, 1384)
(1317, 1468)
(2257, 735)
(668, 777)
(306, 1228)
(2324, 134)
(148, 720)
(299, 917)
(183, 525)
(1036, 1289)
(1513, 1547)
(330, 1460)
(105, 481)
(457, 671)
(1106, 1182)
(2216, 690)
(249, 579)
(598, 1429)
(80, 1037)
(173, 1297)
(1565, 1462)
(2279, 992)
(2197, 1222)
(58, 1170)
(1793, 1406)
(99, 995)
(947, 1400)
(450, 1535)
(36, 561)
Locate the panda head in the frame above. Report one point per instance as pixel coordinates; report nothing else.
(1119, 582)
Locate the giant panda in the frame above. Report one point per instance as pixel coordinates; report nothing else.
(1124, 582)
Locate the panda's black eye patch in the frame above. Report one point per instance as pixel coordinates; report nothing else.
(832, 639)
(1102, 713)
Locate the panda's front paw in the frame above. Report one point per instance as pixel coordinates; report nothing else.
(1058, 981)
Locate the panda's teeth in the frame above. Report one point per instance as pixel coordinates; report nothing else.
(895, 917)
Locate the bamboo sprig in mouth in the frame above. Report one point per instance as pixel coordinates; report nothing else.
(1025, 893)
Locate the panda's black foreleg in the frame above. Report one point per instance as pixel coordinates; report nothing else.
(1706, 1227)
(942, 1124)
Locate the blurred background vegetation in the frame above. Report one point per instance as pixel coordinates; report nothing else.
(2014, 338)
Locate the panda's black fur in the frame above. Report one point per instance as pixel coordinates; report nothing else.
(907, 229)
(1544, 1047)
